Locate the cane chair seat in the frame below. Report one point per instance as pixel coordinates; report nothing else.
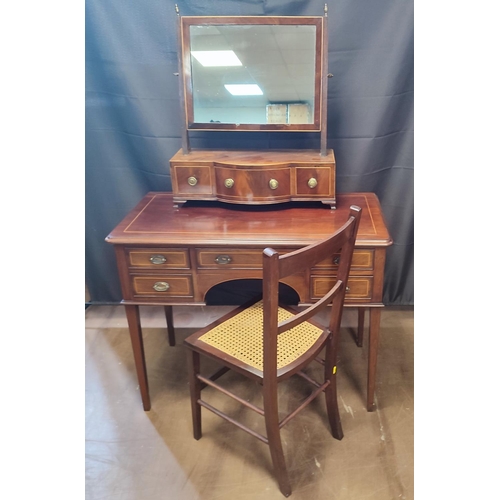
(241, 338)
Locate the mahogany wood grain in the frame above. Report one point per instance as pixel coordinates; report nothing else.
(169, 316)
(134, 324)
(372, 361)
(155, 221)
(245, 177)
(361, 326)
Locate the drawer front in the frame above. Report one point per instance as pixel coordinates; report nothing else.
(357, 288)
(362, 260)
(249, 185)
(222, 258)
(163, 286)
(192, 179)
(209, 258)
(158, 258)
(314, 181)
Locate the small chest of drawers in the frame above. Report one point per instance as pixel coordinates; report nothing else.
(253, 177)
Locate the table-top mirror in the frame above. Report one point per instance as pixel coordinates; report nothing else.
(252, 73)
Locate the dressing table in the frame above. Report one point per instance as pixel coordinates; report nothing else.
(173, 256)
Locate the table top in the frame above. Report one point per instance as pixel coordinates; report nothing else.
(156, 221)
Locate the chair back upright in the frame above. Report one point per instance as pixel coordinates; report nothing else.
(276, 267)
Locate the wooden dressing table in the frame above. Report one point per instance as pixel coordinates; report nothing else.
(173, 256)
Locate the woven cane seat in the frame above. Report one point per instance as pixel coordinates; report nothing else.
(242, 338)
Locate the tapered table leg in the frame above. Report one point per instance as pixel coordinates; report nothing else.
(134, 325)
(375, 314)
(361, 326)
(170, 325)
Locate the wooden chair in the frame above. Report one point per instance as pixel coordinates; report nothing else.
(270, 343)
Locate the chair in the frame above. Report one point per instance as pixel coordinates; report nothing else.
(269, 343)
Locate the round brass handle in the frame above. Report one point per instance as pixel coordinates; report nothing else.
(312, 182)
(161, 286)
(336, 260)
(192, 181)
(229, 183)
(223, 259)
(347, 289)
(273, 184)
(157, 259)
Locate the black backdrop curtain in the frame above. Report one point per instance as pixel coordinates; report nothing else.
(133, 126)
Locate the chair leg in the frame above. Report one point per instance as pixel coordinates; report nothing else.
(332, 406)
(273, 436)
(195, 390)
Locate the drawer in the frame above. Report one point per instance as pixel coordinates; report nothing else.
(314, 181)
(158, 258)
(362, 260)
(192, 179)
(213, 258)
(210, 258)
(252, 185)
(357, 287)
(177, 285)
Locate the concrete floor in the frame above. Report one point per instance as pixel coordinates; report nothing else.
(137, 455)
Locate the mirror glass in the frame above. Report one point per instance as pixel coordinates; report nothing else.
(253, 76)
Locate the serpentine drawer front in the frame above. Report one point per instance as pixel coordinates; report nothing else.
(193, 181)
(252, 185)
(253, 177)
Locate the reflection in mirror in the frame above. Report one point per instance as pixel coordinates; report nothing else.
(254, 74)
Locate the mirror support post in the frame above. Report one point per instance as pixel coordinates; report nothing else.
(324, 83)
(180, 75)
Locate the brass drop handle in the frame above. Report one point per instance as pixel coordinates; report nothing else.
(161, 286)
(229, 183)
(273, 184)
(223, 259)
(336, 260)
(312, 182)
(192, 181)
(347, 288)
(157, 259)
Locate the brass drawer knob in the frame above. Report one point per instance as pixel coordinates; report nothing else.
(229, 183)
(347, 288)
(192, 181)
(336, 260)
(157, 259)
(312, 182)
(223, 259)
(161, 286)
(273, 184)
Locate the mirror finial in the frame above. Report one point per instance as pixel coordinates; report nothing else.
(326, 10)
(176, 9)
